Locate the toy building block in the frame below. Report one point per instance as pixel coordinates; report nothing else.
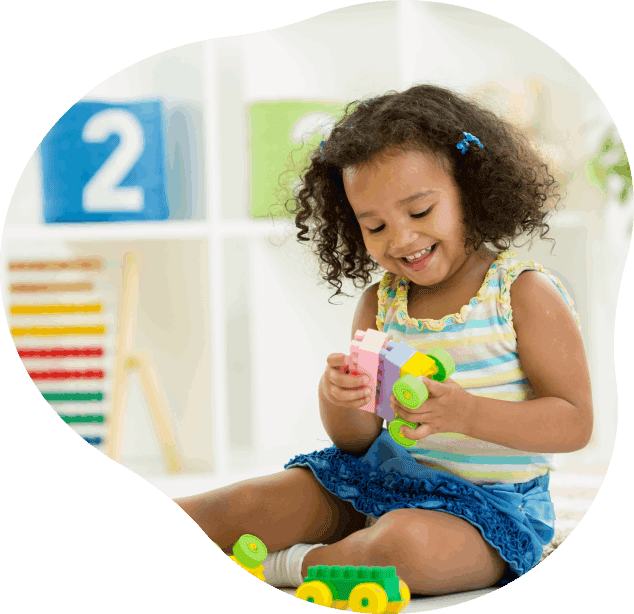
(364, 589)
(391, 361)
(395, 368)
(437, 364)
(364, 358)
(249, 552)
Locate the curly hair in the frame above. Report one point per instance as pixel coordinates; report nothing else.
(505, 187)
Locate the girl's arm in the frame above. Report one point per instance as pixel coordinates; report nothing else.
(551, 352)
(552, 355)
(351, 429)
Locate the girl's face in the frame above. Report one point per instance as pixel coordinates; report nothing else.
(408, 207)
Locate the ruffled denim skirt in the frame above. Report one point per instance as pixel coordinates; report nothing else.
(516, 519)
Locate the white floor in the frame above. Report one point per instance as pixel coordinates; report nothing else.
(572, 493)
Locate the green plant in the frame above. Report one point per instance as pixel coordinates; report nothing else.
(611, 159)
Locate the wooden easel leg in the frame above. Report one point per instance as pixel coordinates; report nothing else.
(117, 411)
(158, 407)
(126, 361)
(125, 336)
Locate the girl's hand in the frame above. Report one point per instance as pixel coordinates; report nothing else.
(345, 389)
(448, 409)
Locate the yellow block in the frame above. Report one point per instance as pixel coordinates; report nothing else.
(419, 364)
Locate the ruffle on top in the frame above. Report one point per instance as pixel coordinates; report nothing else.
(393, 292)
(516, 519)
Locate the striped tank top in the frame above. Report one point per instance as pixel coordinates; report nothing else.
(482, 342)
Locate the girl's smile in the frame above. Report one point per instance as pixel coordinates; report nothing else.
(419, 261)
(408, 207)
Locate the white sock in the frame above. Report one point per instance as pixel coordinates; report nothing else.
(284, 567)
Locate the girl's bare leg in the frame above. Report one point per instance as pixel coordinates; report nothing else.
(282, 510)
(434, 552)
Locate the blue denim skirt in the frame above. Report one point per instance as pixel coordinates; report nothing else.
(516, 519)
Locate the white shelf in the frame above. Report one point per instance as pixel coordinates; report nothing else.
(179, 230)
(252, 228)
(106, 231)
(125, 231)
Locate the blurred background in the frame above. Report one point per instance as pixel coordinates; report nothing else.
(159, 302)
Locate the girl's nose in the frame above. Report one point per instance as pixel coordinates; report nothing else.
(403, 238)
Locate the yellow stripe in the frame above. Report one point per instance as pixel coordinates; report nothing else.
(466, 448)
(57, 330)
(504, 396)
(493, 475)
(507, 377)
(462, 341)
(42, 309)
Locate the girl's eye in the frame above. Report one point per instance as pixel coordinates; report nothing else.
(414, 215)
(422, 213)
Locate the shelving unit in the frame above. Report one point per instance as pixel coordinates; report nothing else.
(229, 304)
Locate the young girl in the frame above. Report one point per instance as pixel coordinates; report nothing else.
(433, 189)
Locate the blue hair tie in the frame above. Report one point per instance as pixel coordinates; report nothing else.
(464, 144)
(321, 149)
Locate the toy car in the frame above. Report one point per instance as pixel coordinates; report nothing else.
(363, 589)
(394, 368)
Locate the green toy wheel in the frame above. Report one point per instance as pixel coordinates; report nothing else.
(394, 430)
(249, 551)
(410, 391)
(444, 362)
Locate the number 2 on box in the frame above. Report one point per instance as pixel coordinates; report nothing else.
(102, 192)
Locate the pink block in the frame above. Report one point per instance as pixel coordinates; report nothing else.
(364, 357)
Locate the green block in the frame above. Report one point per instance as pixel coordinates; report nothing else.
(282, 135)
(444, 362)
(347, 577)
(410, 391)
(250, 550)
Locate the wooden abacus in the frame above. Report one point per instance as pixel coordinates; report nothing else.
(128, 360)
